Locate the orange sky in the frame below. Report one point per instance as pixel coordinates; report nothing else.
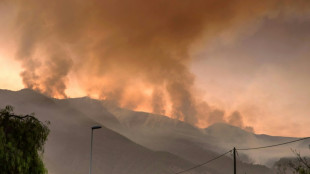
(242, 62)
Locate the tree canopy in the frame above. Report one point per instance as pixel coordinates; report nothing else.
(299, 165)
(22, 139)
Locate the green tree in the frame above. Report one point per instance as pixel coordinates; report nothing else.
(22, 139)
(299, 165)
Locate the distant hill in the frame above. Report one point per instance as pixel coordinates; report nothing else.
(233, 136)
(137, 142)
(228, 136)
(68, 145)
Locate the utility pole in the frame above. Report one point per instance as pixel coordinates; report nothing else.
(235, 166)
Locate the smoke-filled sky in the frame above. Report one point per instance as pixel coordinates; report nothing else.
(244, 62)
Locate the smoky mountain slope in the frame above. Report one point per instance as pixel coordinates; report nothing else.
(228, 136)
(135, 137)
(161, 133)
(68, 145)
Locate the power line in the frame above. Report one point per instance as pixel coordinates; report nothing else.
(199, 165)
(263, 147)
(252, 148)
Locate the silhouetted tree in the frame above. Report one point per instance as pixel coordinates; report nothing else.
(22, 139)
(299, 165)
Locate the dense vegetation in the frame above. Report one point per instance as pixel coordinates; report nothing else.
(22, 139)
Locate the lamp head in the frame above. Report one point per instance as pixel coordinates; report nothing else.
(96, 127)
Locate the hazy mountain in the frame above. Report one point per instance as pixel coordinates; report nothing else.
(236, 136)
(137, 142)
(168, 135)
(228, 136)
(68, 145)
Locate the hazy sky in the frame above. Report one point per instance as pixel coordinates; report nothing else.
(244, 62)
(264, 74)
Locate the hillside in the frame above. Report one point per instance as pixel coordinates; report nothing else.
(228, 136)
(139, 142)
(67, 148)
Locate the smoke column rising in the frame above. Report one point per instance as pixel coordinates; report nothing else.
(130, 51)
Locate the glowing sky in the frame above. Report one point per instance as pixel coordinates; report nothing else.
(264, 75)
(242, 62)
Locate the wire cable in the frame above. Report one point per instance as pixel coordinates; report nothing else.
(252, 148)
(199, 165)
(263, 147)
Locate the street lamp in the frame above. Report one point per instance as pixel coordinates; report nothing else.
(91, 145)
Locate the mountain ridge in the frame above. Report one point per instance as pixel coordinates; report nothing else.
(68, 143)
(156, 133)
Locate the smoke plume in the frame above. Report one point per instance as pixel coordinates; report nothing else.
(130, 51)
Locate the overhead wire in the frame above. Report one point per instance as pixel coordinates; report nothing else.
(274, 145)
(252, 148)
(199, 165)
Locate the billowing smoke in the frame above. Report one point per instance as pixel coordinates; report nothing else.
(130, 51)
(158, 102)
(216, 116)
(236, 119)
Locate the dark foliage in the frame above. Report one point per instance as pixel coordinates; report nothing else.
(299, 165)
(22, 140)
